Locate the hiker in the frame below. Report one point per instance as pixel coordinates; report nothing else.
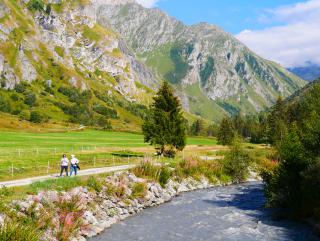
(64, 165)
(74, 165)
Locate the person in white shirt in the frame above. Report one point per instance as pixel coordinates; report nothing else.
(64, 164)
(74, 165)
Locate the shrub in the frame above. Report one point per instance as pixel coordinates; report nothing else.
(14, 97)
(3, 83)
(236, 162)
(164, 176)
(24, 115)
(13, 231)
(30, 99)
(104, 123)
(36, 5)
(5, 192)
(48, 9)
(5, 105)
(21, 87)
(127, 153)
(311, 182)
(94, 183)
(37, 117)
(139, 190)
(105, 111)
(49, 90)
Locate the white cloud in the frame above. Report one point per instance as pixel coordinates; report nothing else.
(295, 42)
(148, 3)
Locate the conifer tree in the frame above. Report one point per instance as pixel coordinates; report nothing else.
(165, 127)
(226, 131)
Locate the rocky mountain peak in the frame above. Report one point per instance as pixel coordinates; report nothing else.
(113, 2)
(200, 58)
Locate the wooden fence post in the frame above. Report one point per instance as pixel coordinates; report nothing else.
(48, 167)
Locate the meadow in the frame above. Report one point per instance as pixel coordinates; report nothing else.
(24, 154)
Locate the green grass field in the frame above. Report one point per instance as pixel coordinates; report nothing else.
(30, 154)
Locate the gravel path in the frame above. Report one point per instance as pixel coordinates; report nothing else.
(28, 181)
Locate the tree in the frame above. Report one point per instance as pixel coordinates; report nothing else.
(236, 162)
(226, 131)
(212, 130)
(165, 127)
(197, 128)
(277, 122)
(284, 187)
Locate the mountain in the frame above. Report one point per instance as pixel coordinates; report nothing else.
(308, 73)
(300, 94)
(214, 73)
(99, 62)
(56, 60)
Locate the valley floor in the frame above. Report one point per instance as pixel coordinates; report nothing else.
(30, 154)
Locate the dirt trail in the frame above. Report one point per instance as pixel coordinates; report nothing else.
(28, 181)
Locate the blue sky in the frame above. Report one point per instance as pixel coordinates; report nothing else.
(285, 31)
(232, 15)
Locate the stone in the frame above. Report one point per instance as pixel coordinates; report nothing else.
(2, 219)
(90, 218)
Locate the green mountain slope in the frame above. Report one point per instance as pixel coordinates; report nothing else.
(58, 64)
(226, 72)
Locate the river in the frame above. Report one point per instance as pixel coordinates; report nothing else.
(222, 213)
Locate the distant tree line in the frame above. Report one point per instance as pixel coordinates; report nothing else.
(201, 128)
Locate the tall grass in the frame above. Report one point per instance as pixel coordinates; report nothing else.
(149, 171)
(59, 184)
(13, 231)
(196, 168)
(139, 190)
(70, 213)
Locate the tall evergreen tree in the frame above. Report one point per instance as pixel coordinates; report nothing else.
(226, 131)
(277, 122)
(197, 128)
(165, 127)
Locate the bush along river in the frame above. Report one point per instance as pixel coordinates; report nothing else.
(233, 212)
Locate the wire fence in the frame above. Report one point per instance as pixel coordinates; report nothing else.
(22, 163)
(20, 152)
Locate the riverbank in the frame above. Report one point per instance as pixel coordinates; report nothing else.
(233, 212)
(84, 212)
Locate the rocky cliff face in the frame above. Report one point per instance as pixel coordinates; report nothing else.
(203, 61)
(70, 37)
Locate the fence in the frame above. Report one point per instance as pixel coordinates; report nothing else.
(23, 163)
(20, 152)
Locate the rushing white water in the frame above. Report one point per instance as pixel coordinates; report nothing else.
(222, 213)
